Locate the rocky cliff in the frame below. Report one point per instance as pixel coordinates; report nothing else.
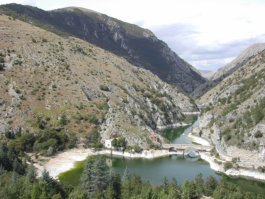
(137, 45)
(234, 110)
(227, 70)
(64, 82)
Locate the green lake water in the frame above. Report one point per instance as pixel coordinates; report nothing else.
(155, 170)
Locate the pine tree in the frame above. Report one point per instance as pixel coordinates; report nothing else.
(165, 185)
(199, 184)
(114, 188)
(126, 188)
(31, 174)
(100, 177)
(210, 185)
(46, 178)
(86, 178)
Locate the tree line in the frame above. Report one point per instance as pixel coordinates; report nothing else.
(18, 180)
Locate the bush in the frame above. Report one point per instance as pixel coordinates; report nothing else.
(104, 88)
(137, 149)
(258, 134)
(228, 165)
(120, 142)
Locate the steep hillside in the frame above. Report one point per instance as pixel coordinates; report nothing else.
(206, 73)
(234, 112)
(227, 70)
(137, 45)
(74, 87)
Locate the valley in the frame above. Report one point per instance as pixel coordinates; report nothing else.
(82, 92)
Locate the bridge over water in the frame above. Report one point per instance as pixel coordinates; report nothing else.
(182, 147)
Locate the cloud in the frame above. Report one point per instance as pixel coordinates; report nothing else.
(182, 38)
(205, 33)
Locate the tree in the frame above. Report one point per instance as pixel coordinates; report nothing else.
(199, 184)
(63, 120)
(114, 188)
(100, 176)
(189, 190)
(126, 188)
(165, 185)
(210, 185)
(31, 174)
(45, 177)
(86, 177)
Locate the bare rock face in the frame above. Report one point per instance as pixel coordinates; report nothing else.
(137, 45)
(227, 70)
(237, 107)
(239, 61)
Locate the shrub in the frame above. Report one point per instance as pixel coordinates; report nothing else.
(228, 165)
(120, 142)
(137, 149)
(2, 60)
(104, 88)
(258, 134)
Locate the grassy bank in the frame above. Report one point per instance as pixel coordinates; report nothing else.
(72, 176)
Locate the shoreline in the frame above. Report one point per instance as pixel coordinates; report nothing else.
(66, 160)
(233, 172)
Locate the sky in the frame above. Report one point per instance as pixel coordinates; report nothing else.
(206, 33)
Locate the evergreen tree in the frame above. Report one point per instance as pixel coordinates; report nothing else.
(189, 190)
(100, 176)
(199, 184)
(77, 193)
(35, 191)
(47, 179)
(114, 188)
(210, 185)
(86, 177)
(31, 174)
(126, 188)
(165, 185)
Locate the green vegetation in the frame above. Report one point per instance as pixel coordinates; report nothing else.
(47, 140)
(97, 182)
(2, 62)
(94, 140)
(18, 180)
(228, 165)
(258, 134)
(104, 88)
(172, 134)
(120, 142)
(72, 176)
(238, 128)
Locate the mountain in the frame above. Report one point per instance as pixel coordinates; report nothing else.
(137, 45)
(234, 110)
(227, 70)
(67, 84)
(206, 73)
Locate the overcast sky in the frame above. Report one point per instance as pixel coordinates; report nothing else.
(206, 33)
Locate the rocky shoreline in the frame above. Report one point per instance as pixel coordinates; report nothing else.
(232, 172)
(65, 161)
